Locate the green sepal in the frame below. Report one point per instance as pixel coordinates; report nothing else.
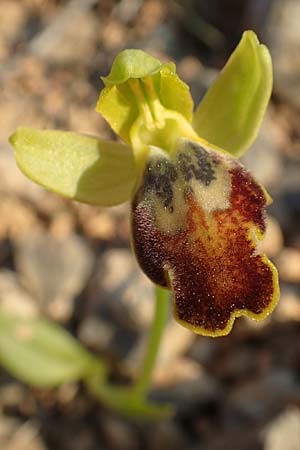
(118, 102)
(132, 63)
(41, 353)
(76, 166)
(232, 110)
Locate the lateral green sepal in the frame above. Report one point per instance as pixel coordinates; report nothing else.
(76, 166)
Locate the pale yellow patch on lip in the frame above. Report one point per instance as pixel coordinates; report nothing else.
(215, 196)
(211, 196)
(171, 222)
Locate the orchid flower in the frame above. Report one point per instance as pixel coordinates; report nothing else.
(197, 213)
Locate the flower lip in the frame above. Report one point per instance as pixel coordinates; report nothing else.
(196, 219)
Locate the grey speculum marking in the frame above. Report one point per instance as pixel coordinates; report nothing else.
(161, 173)
(201, 169)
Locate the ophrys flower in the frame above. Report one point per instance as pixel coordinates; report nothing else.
(197, 213)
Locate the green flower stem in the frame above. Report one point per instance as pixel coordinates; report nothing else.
(162, 306)
(131, 400)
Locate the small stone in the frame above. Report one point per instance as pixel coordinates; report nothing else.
(187, 393)
(13, 298)
(176, 340)
(54, 270)
(100, 225)
(12, 181)
(59, 47)
(288, 308)
(288, 263)
(104, 224)
(166, 435)
(123, 289)
(284, 38)
(62, 224)
(118, 435)
(183, 370)
(284, 431)
(12, 395)
(265, 165)
(15, 435)
(272, 242)
(113, 34)
(66, 393)
(16, 218)
(255, 398)
(95, 333)
(197, 76)
(12, 19)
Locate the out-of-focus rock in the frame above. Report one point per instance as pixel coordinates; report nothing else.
(284, 431)
(119, 435)
(284, 43)
(16, 217)
(100, 225)
(103, 223)
(54, 270)
(166, 435)
(12, 18)
(179, 370)
(126, 10)
(256, 398)
(188, 393)
(273, 239)
(62, 225)
(112, 35)
(56, 42)
(288, 308)
(12, 180)
(197, 76)
(17, 436)
(96, 333)
(288, 263)
(175, 341)
(13, 298)
(122, 289)
(264, 159)
(12, 395)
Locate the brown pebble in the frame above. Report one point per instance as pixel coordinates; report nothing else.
(288, 264)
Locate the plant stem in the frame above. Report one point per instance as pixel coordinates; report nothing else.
(162, 305)
(131, 400)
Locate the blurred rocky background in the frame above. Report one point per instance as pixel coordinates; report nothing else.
(73, 264)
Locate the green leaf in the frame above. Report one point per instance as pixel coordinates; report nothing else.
(132, 63)
(232, 110)
(76, 166)
(41, 353)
